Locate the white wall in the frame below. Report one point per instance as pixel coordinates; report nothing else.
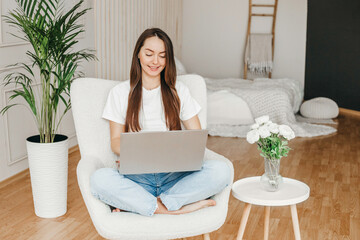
(214, 37)
(18, 124)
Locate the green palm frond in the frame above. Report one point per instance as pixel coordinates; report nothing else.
(52, 35)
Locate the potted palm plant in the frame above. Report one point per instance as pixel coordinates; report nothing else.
(52, 33)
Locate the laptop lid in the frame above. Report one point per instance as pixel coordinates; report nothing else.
(156, 152)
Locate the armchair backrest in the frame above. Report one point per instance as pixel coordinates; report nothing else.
(88, 98)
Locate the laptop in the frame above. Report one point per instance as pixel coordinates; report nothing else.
(157, 152)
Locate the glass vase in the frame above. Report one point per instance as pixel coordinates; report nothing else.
(271, 180)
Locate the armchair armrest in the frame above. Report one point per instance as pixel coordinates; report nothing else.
(87, 165)
(85, 168)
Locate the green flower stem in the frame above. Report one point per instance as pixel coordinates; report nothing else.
(272, 168)
(273, 147)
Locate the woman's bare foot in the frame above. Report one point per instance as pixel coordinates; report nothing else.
(196, 206)
(185, 209)
(116, 210)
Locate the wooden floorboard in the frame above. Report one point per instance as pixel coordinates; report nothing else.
(330, 165)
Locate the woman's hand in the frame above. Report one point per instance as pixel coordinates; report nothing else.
(192, 123)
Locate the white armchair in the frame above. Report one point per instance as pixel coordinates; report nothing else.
(88, 97)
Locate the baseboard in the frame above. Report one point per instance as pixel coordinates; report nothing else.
(14, 178)
(354, 113)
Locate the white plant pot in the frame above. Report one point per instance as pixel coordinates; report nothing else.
(48, 163)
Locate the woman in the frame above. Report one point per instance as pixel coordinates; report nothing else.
(152, 100)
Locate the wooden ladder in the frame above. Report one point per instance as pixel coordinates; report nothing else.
(251, 14)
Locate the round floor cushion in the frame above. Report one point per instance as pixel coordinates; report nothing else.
(320, 108)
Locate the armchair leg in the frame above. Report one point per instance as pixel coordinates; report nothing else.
(206, 236)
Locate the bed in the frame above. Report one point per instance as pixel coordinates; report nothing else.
(233, 103)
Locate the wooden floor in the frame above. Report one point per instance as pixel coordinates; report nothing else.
(330, 165)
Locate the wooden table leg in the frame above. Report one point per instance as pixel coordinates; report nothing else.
(243, 222)
(266, 222)
(295, 221)
(206, 236)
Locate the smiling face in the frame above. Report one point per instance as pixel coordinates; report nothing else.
(152, 57)
(152, 65)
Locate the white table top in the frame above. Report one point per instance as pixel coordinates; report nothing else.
(291, 192)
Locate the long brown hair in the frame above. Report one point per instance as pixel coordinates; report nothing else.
(170, 98)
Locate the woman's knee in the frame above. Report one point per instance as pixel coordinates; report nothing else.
(220, 171)
(100, 178)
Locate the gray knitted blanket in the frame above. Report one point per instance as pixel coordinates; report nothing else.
(278, 98)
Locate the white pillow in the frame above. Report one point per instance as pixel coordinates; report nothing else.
(180, 69)
(227, 108)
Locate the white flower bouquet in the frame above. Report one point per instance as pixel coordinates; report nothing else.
(271, 138)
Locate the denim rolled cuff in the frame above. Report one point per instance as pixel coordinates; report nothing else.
(151, 211)
(170, 203)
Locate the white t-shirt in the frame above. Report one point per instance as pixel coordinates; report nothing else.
(151, 117)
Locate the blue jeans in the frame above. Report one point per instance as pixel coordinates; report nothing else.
(138, 193)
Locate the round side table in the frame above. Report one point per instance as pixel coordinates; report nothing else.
(291, 192)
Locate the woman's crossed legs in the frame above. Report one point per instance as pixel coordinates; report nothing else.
(163, 193)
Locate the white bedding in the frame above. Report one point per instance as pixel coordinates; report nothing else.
(278, 98)
(225, 107)
(234, 103)
(293, 88)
